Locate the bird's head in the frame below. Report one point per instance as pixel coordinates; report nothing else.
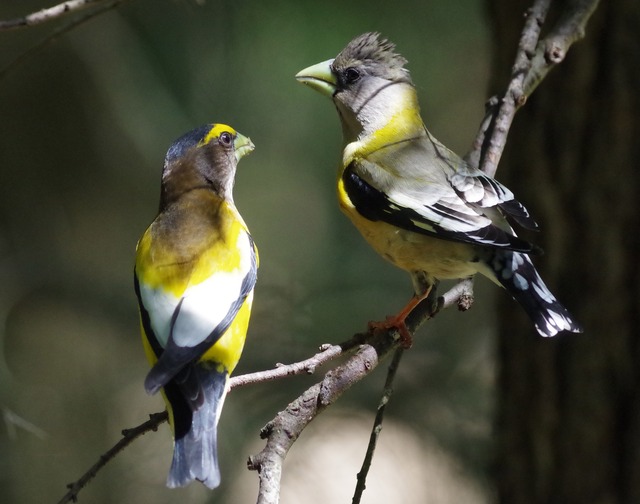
(367, 81)
(206, 157)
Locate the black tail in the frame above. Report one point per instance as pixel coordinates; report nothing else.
(195, 452)
(515, 272)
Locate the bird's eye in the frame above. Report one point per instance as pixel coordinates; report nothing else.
(351, 75)
(226, 138)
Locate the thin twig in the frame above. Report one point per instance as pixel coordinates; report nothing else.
(534, 59)
(327, 353)
(284, 429)
(514, 96)
(48, 14)
(307, 366)
(58, 33)
(13, 422)
(552, 50)
(128, 436)
(475, 153)
(377, 426)
(462, 295)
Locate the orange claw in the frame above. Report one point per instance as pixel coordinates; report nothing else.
(398, 322)
(394, 322)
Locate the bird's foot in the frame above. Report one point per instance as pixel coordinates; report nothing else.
(394, 322)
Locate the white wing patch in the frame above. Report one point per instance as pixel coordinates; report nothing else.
(476, 187)
(160, 306)
(204, 306)
(452, 213)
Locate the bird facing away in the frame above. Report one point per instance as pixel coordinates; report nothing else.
(418, 204)
(195, 272)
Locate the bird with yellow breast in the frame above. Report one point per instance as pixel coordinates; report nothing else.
(195, 272)
(417, 203)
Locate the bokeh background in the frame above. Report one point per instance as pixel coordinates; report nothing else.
(85, 121)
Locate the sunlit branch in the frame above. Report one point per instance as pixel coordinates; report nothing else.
(528, 71)
(307, 366)
(282, 432)
(552, 50)
(128, 436)
(534, 59)
(501, 117)
(49, 14)
(58, 32)
(364, 352)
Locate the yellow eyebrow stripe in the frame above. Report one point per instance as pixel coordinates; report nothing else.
(215, 131)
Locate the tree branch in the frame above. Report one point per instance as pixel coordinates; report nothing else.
(552, 50)
(49, 14)
(128, 436)
(425, 310)
(528, 71)
(534, 59)
(514, 97)
(59, 31)
(377, 426)
(286, 427)
(307, 366)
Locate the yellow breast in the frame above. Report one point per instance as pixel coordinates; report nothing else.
(411, 251)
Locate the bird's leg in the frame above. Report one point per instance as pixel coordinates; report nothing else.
(398, 321)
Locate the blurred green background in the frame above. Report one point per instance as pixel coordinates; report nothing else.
(85, 122)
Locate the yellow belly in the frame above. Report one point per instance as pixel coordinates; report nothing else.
(411, 251)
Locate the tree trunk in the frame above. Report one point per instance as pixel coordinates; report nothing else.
(568, 412)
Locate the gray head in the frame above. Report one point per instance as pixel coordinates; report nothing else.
(367, 82)
(369, 55)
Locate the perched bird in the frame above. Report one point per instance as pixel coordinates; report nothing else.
(417, 203)
(195, 272)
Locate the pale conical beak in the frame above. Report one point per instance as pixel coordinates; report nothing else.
(243, 146)
(319, 77)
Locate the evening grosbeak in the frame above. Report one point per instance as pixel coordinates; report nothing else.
(418, 204)
(195, 272)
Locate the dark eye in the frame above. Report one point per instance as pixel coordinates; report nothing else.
(226, 138)
(351, 75)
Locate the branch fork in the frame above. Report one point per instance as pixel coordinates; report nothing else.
(533, 61)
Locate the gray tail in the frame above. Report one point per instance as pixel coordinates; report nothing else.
(519, 277)
(195, 452)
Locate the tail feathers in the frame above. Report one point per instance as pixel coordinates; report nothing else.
(195, 455)
(515, 272)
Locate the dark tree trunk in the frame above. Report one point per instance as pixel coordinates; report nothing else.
(568, 412)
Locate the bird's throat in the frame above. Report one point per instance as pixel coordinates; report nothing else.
(382, 123)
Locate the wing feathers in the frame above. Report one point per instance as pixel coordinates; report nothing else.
(450, 218)
(519, 213)
(487, 192)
